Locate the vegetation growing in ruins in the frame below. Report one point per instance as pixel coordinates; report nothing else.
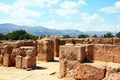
(95, 36)
(67, 36)
(2, 36)
(118, 35)
(43, 36)
(108, 35)
(83, 36)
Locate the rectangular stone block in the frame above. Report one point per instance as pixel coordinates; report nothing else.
(56, 47)
(90, 51)
(70, 41)
(89, 72)
(25, 48)
(6, 60)
(107, 53)
(1, 59)
(104, 58)
(19, 62)
(28, 62)
(112, 71)
(95, 40)
(63, 67)
(46, 52)
(116, 41)
(70, 52)
(106, 40)
(79, 41)
(116, 59)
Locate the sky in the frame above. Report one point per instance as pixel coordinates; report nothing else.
(82, 15)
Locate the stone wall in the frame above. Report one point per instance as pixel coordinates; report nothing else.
(46, 49)
(70, 55)
(107, 53)
(10, 53)
(81, 59)
(57, 42)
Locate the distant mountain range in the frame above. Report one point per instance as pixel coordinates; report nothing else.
(39, 30)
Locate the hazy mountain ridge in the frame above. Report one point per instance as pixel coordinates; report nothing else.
(39, 30)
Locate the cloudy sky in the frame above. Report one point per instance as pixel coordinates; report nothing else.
(83, 15)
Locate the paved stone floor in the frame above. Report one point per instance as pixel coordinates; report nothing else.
(43, 71)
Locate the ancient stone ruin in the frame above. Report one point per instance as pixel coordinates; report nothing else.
(90, 59)
(79, 59)
(21, 54)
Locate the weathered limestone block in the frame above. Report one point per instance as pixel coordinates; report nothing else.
(107, 53)
(116, 41)
(102, 51)
(62, 69)
(56, 47)
(1, 59)
(70, 52)
(79, 41)
(25, 48)
(46, 52)
(22, 52)
(29, 61)
(88, 72)
(106, 40)
(112, 71)
(7, 49)
(68, 67)
(87, 41)
(70, 41)
(29, 43)
(6, 60)
(95, 40)
(90, 51)
(13, 55)
(19, 61)
(62, 41)
(17, 44)
(117, 58)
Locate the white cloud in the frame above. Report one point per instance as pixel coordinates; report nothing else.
(82, 2)
(38, 3)
(117, 5)
(4, 8)
(111, 9)
(69, 5)
(19, 21)
(82, 26)
(24, 13)
(18, 12)
(63, 25)
(91, 18)
(66, 12)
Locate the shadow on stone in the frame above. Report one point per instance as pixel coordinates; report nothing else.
(36, 68)
(54, 61)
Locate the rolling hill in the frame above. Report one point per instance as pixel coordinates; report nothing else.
(39, 30)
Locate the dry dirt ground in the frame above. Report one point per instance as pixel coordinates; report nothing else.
(43, 71)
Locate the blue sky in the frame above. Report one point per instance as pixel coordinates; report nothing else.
(83, 15)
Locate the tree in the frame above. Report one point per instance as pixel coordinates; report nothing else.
(20, 35)
(2, 36)
(83, 36)
(95, 36)
(67, 36)
(118, 35)
(108, 35)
